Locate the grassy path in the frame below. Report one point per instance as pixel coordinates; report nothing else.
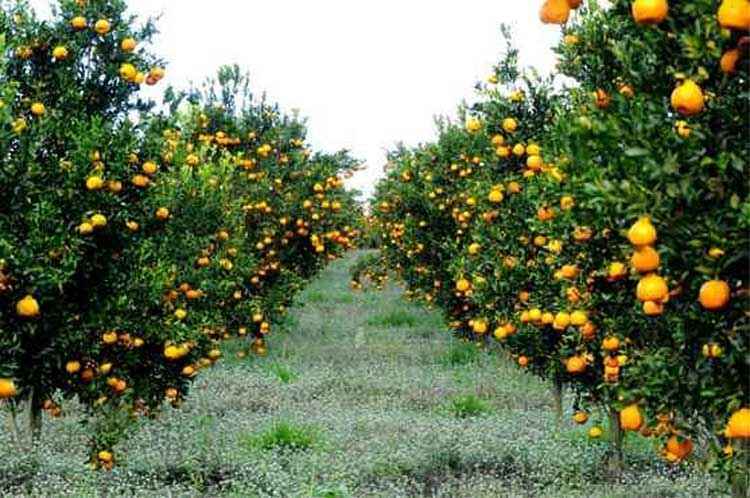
(363, 395)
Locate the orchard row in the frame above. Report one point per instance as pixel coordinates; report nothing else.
(134, 240)
(595, 223)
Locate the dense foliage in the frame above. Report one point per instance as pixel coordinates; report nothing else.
(596, 223)
(133, 240)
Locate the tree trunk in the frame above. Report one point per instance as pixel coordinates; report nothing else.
(35, 414)
(615, 436)
(741, 472)
(14, 421)
(557, 393)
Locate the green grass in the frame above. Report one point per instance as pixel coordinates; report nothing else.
(393, 319)
(283, 373)
(284, 435)
(468, 406)
(461, 354)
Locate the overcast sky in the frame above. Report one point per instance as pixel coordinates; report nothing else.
(367, 74)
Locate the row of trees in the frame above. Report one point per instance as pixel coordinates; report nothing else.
(596, 222)
(134, 239)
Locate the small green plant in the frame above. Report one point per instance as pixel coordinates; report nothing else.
(468, 406)
(284, 435)
(460, 354)
(393, 319)
(284, 373)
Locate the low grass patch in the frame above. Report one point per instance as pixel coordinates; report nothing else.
(460, 354)
(283, 373)
(393, 319)
(284, 435)
(468, 406)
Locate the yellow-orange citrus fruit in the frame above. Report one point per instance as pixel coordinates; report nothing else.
(645, 259)
(652, 288)
(7, 388)
(738, 426)
(734, 14)
(642, 232)
(714, 295)
(28, 307)
(679, 448)
(554, 12)
(580, 417)
(631, 418)
(575, 364)
(687, 98)
(650, 11)
(729, 60)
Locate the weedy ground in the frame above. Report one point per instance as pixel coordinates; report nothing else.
(362, 395)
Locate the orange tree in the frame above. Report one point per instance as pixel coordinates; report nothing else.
(128, 251)
(656, 140)
(636, 252)
(66, 181)
(469, 222)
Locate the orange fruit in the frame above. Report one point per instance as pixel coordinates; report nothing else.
(714, 295)
(642, 232)
(738, 426)
(679, 447)
(631, 418)
(28, 307)
(729, 60)
(652, 308)
(611, 343)
(649, 11)
(575, 364)
(645, 259)
(687, 98)
(652, 288)
(554, 12)
(7, 389)
(734, 14)
(580, 417)
(595, 432)
(78, 23)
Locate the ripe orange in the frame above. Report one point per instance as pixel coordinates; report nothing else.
(631, 418)
(679, 447)
(611, 343)
(555, 12)
(7, 388)
(642, 232)
(462, 285)
(734, 14)
(687, 98)
(580, 417)
(102, 26)
(714, 295)
(729, 60)
(510, 125)
(128, 44)
(575, 364)
(28, 307)
(72, 367)
(78, 23)
(650, 11)
(652, 308)
(645, 259)
(738, 426)
(652, 288)
(595, 432)
(616, 271)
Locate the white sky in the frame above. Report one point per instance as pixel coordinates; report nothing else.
(367, 74)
